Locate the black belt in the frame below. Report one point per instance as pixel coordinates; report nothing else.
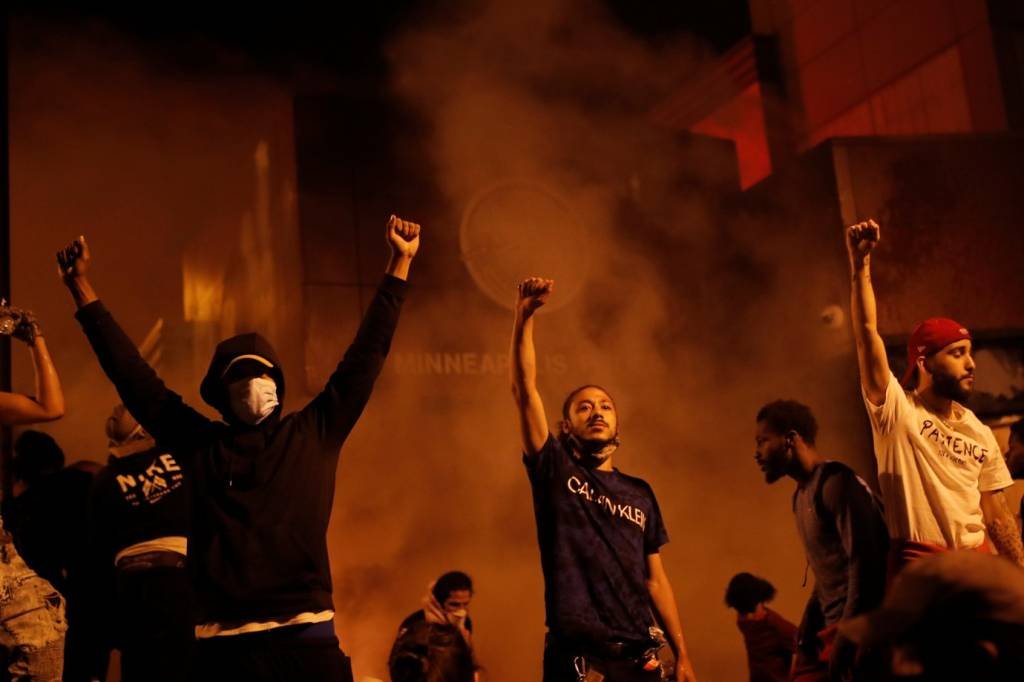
(612, 650)
(148, 560)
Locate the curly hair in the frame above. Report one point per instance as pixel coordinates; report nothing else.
(783, 416)
(452, 581)
(746, 591)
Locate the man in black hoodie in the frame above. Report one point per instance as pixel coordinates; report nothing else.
(264, 483)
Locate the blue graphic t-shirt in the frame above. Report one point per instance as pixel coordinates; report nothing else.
(595, 530)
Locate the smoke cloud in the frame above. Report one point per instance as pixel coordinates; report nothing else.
(667, 297)
(666, 294)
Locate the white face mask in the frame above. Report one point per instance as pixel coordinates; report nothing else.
(457, 617)
(252, 400)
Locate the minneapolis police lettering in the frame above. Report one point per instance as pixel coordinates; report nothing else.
(625, 511)
(955, 447)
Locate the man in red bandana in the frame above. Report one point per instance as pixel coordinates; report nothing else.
(940, 471)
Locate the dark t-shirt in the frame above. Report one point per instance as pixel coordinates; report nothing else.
(595, 530)
(770, 643)
(844, 534)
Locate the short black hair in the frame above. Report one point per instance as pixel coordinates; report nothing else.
(783, 416)
(452, 581)
(36, 455)
(576, 391)
(746, 591)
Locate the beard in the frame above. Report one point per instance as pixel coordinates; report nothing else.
(593, 450)
(949, 387)
(773, 474)
(776, 463)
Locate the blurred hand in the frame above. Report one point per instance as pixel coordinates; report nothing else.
(432, 609)
(27, 327)
(73, 260)
(861, 240)
(533, 293)
(433, 612)
(403, 237)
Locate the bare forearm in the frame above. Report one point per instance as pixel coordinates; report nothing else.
(533, 423)
(863, 310)
(664, 600)
(523, 357)
(871, 358)
(1003, 531)
(81, 291)
(398, 266)
(48, 391)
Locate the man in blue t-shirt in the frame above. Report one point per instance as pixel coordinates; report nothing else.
(599, 531)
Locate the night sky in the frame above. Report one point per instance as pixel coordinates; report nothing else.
(343, 39)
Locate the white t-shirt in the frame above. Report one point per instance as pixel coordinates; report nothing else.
(931, 472)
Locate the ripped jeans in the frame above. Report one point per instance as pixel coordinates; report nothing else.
(32, 623)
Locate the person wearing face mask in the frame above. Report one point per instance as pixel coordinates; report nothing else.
(941, 474)
(446, 604)
(600, 531)
(263, 481)
(139, 527)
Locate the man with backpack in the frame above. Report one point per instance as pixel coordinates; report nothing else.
(842, 529)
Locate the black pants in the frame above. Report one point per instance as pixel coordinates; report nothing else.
(560, 665)
(86, 643)
(279, 655)
(154, 625)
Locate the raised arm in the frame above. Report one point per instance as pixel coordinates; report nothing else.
(664, 600)
(1001, 526)
(160, 411)
(48, 402)
(861, 240)
(533, 424)
(335, 410)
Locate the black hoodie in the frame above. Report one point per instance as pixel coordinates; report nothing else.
(263, 494)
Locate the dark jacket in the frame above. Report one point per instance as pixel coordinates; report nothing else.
(136, 498)
(263, 494)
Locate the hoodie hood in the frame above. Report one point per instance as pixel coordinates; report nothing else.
(251, 346)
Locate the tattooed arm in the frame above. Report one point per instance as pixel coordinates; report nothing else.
(1001, 526)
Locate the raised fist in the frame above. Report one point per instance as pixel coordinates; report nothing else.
(861, 239)
(403, 236)
(533, 293)
(21, 324)
(73, 260)
(28, 329)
